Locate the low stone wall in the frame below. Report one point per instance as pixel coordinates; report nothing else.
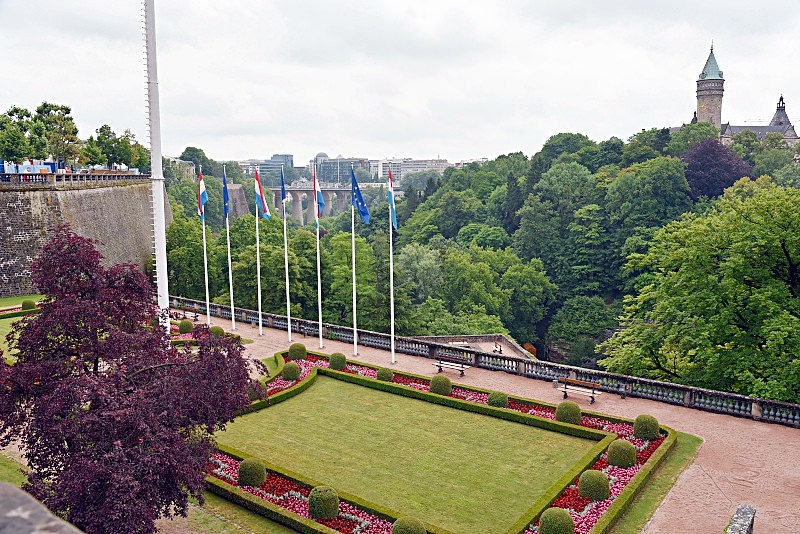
(22, 514)
(743, 520)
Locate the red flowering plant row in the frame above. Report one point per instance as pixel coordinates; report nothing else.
(293, 496)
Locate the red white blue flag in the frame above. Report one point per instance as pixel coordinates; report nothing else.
(202, 196)
(260, 202)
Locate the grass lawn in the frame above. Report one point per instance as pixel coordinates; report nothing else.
(6, 302)
(5, 328)
(9, 471)
(219, 515)
(458, 470)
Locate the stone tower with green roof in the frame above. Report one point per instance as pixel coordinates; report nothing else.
(709, 92)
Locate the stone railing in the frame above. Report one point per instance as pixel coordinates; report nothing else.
(65, 181)
(679, 395)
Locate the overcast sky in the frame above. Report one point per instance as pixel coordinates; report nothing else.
(459, 79)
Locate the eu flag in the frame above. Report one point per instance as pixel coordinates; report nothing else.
(357, 199)
(225, 197)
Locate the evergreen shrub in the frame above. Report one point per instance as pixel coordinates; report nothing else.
(408, 525)
(441, 385)
(291, 371)
(217, 331)
(323, 501)
(252, 472)
(569, 412)
(337, 361)
(385, 374)
(185, 326)
(622, 453)
(646, 427)
(498, 399)
(556, 521)
(297, 351)
(594, 485)
(28, 305)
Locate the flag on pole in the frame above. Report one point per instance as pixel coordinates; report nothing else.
(202, 196)
(320, 202)
(225, 197)
(283, 188)
(260, 202)
(357, 199)
(391, 198)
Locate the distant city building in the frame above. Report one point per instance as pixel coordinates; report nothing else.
(267, 165)
(403, 166)
(465, 162)
(337, 170)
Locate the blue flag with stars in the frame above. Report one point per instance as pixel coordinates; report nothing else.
(357, 199)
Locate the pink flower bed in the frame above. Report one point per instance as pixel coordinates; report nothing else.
(584, 512)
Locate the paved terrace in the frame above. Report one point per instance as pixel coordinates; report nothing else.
(740, 460)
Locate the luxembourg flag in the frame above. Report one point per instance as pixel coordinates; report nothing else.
(391, 198)
(320, 201)
(260, 202)
(202, 196)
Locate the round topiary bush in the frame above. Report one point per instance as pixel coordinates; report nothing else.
(556, 521)
(337, 361)
(408, 525)
(385, 374)
(28, 305)
(646, 427)
(291, 371)
(185, 326)
(217, 331)
(441, 385)
(252, 472)
(323, 501)
(297, 351)
(622, 453)
(594, 485)
(569, 412)
(498, 399)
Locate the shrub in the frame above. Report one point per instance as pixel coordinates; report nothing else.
(337, 361)
(185, 326)
(556, 521)
(28, 305)
(217, 331)
(291, 371)
(441, 385)
(622, 453)
(323, 501)
(646, 427)
(252, 472)
(498, 399)
(594, 485)
(297, 351)
(408, 525)
(569, 412)
(385, 374)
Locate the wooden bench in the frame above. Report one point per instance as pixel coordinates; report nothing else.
(581, 387)
(442, 364)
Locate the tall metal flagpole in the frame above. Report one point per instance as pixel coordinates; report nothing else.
(154, 124)
(258, 269)
(286, 258)
(353, 240)
(228, 235)
(319, 275)
(392, 221)
(205, 261)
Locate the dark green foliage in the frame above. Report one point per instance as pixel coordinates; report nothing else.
(385, 374)
(217, 330)
(594, 485)
(556, 521)
(323, 501)
(185, 326)
(622, 453)
(291, 371)
(441, 385)
(408, 525)
(297, 351)
(569, 412)
(338, 361)
(28, 305)
(498, 399)
(252, 472)
(645, 427)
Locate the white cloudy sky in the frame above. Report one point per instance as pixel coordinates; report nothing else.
(458, 79)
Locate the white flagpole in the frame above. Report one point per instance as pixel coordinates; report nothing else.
(319, 276)
(258, 271)
(353, 235)
(205, 263)
(286, 263)
(391, 279)
(230, 269)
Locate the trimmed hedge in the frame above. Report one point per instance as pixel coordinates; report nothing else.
(217, 331)
(498, 399)
(408, 525)
(28, 305)
(297, 351)
(252, 472)
(385, 375)
(185, 326)
(323, 502)
(594, 485)
(441, 385)
(622, 453)
(556, 521)
(291, 371)
(337, 361)
(569, 412)
(19, 313)
(646, 427)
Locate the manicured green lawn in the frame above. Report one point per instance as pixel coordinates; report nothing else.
(16, 301)
(219, 515)
(5, 328)
(10, 471)
(461, 471)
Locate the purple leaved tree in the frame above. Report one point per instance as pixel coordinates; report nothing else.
(115, 423)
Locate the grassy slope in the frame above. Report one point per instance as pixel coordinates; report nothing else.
(435, 463)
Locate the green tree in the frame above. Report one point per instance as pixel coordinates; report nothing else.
(92, 154)
(770, 160)
(421, 267)
(746, 145)
(689, 135)
(530, 293)
(60, 130)
(14, 145)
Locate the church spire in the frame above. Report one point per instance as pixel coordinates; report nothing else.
(711, 69)
(780, 118)
(710, 86)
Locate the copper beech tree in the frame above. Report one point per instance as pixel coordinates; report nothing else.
(115, 423)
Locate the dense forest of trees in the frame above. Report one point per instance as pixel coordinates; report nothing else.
(588, 250)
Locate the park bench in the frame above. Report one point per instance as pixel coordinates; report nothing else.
(444, 364)
(581, 387)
